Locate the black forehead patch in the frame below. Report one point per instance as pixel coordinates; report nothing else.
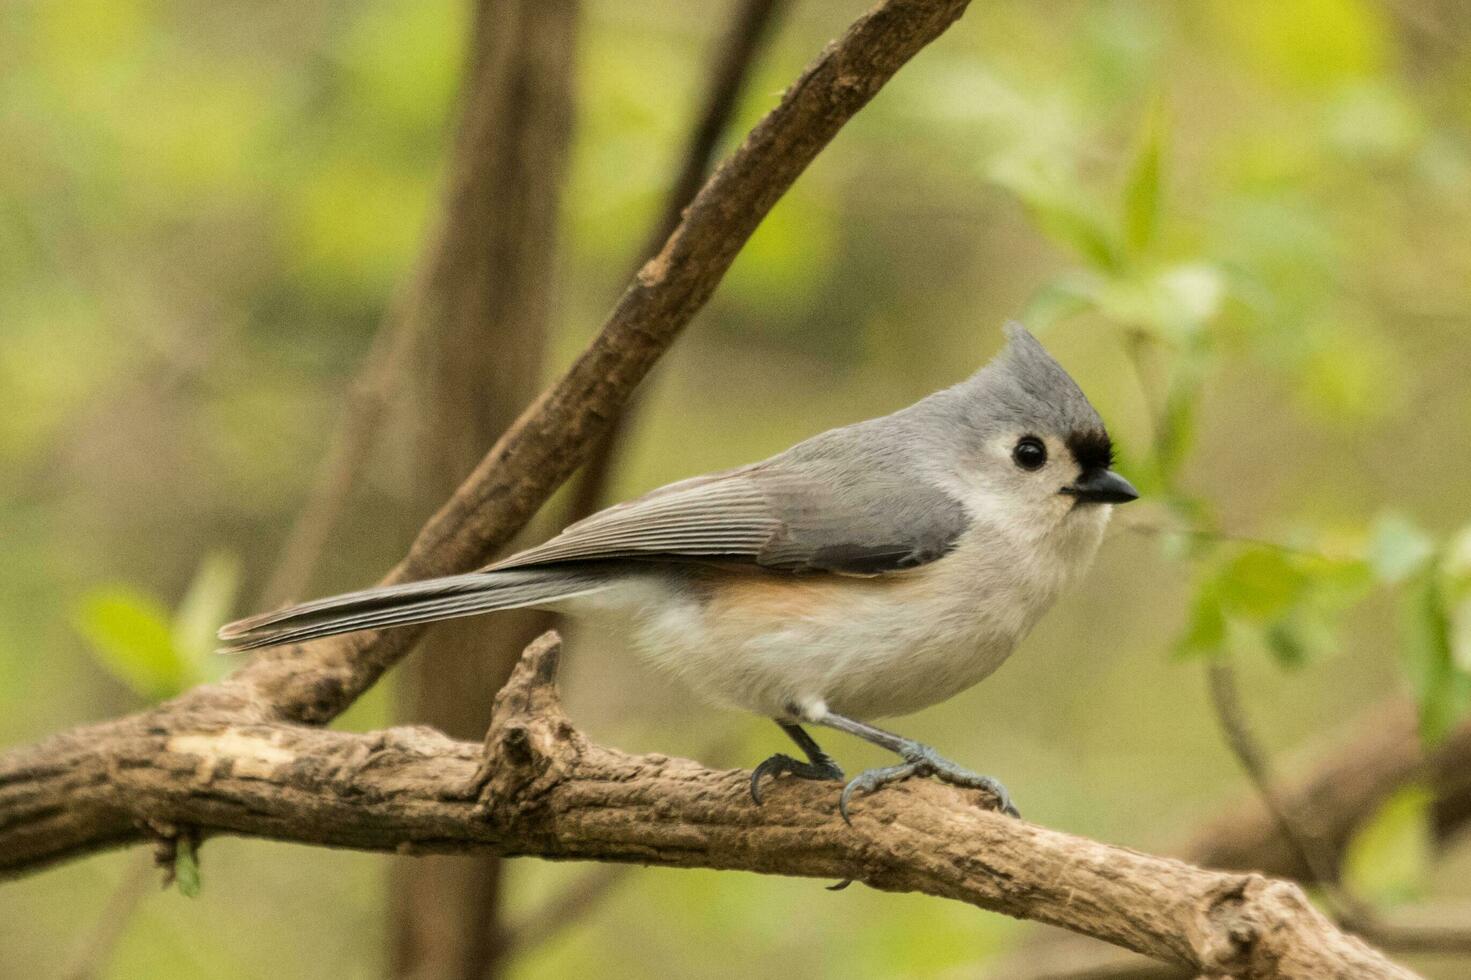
(1092, 448)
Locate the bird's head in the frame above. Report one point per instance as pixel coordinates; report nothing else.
(1039, 457)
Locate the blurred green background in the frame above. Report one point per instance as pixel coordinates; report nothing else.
(1242, 225)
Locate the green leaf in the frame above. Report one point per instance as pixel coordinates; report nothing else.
(208, 602)
(1389, 859)
(186, 866)
(1142, 189)
(1442, 690)
(1190, 294)
(1177, 424)
(1063, 212)
(130, 636)
(1460, 634)
(1287, 599)
(1174, 303)
(1289, 642)
(1398, 548)
(1205, 634)
(1063, 297)
(1260, 584)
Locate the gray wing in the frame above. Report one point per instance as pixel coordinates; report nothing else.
(784, 517)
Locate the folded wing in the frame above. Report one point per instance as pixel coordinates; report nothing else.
(776, 517)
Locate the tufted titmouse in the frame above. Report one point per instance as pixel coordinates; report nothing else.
(872, 570)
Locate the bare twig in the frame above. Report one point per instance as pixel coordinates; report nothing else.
(1413, 933)
(538, 787)
(1378, 753)
(1322, 867)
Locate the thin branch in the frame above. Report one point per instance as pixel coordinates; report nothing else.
(1369, 759)
(537, 786)
(1412, 933)
(1322, 867)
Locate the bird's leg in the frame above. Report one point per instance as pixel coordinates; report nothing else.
(819, 764)
(919, 760)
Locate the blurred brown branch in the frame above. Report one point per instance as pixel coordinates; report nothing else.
(1330, 797)
(753, 22)
(480, 315)
(538, 787)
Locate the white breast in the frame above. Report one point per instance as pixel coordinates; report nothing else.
(863, 647)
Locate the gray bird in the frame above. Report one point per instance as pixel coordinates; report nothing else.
(869, 571)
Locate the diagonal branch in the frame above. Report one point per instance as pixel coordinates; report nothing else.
(539, 787)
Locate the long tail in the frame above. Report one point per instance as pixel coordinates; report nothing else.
(414, 602)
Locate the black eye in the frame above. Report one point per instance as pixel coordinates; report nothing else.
(1029, 453)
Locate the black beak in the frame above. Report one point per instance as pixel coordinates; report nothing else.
(1101, 487)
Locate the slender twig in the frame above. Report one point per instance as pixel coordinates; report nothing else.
(1217, 536)
(1225, 695)
(1369, 759)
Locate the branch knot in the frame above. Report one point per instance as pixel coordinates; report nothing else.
(530, 746)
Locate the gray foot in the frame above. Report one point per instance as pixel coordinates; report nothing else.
(821, 767)
(921, 760)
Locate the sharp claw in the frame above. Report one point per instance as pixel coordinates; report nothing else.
(843, 803)
(872, 779)
(840, 885)
(781, 763)
(773, 766)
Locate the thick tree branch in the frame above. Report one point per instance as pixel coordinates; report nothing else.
(538, 787)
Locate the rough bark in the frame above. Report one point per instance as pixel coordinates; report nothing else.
(483, 309)
(537, 786)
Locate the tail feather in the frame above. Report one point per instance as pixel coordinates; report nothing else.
(414, 602)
